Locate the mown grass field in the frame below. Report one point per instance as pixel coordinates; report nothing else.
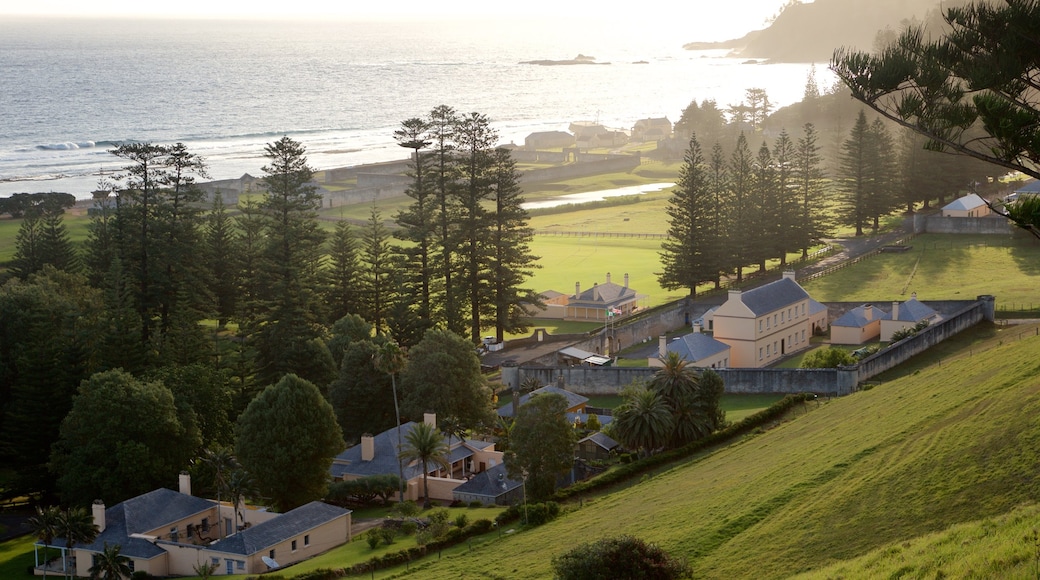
(860, 476)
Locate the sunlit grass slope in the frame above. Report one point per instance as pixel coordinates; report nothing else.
(948, 445)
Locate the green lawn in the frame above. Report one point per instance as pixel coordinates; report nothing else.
(941, 267)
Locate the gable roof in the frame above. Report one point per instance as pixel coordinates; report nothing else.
(816, 307)
(142, 514)
(492, 482)
(968, 202)
(913, 311)
(1033, 186)
(605, 294)
(573, 399)
(860, 316)
(262, 536)
(601, 440)
(696, 346)
(773, 296)
(384, 460)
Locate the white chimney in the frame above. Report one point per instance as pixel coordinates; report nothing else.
(662, 346)
(577, 288)
(913, 295)
(608, 277)
(185, 483)
(789, 275)
(895, 310)
(430, 419)
(626, 279)
(98, 511)
(697, 327)
(368, 448)
(868, 312)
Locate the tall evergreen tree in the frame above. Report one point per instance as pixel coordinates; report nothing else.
(292, 263)
(55, 242)
(376, 271)
(220, 253)
(740, 205)
(418, 220)
(881, 198)
(764, 218)
(28, 245)
(719, 217)
(787, 207)
(474, 140)
(511, 261)
(854, 175)
(808, 177)
(443, 121)
(344, 295)
(692, 252)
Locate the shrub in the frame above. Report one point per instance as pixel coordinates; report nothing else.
(621, 557)
(406, 509)
(373, 537)
(388, 535)
(828, 358)
(461, 520)
(423, 537)
(540, 513)
(408, 527)
(320, 574)
(476, 503)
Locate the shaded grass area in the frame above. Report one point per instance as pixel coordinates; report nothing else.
(913, 456)
(940, 267)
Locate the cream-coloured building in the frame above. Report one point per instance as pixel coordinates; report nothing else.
(907, 315)
(696, 348)
(767, 323)
(970, 205)
(602, 301)
(858, 325)
(377, 455)
(169, 533)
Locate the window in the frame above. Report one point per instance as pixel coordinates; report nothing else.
(781, 317)
(216, 561)
(240, 564)
(307, 540)
(774, 320)
(294, 545)
(767, 350)
(205, 524)
(760, 326)
(759, 353)
(269, 555)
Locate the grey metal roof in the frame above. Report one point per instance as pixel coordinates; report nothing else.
(773, 296)
(696, 346)
(384, 461)
(604, 294)
(816, 307)
(262, 536)
(490, 483)
(914, 311)
(573, 399)
(143, 514)
(1032, 186)
(970, 201)
(602, 440)
(604, 420)
(857, 317)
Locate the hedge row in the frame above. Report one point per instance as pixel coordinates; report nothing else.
(639, 467)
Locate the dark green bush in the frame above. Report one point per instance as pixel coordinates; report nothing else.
(461, 520)
(621, 557)
(320, 574)
(373, 537)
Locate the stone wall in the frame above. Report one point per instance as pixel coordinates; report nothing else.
(937, 224)
(586, 165)
(590, 380)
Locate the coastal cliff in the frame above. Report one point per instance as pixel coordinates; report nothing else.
(811, 32)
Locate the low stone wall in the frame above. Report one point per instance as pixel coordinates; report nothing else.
(901, 351)
(590, 380)
(582, 169)
(937, 224)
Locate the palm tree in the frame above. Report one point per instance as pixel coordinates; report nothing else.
(390, 358)
(426, 445)
(643, 421)
(76, 526)
(111, 565)
(44, 526)
(222, 463)
(675, 380)
(240, 484)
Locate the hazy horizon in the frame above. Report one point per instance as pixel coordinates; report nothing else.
(691, 23)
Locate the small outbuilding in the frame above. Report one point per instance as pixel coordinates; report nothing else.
(970, 205)
(907, 315)
(857, 326)
(595, 447)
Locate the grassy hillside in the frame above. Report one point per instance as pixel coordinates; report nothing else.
(950, 444)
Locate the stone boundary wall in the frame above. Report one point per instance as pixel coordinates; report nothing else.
(937, 224)
(525, 156)
(591, 380)
(583, 168)
(364, 195)
(367, 179)
(901, 351)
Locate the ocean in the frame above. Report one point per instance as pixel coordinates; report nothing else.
(72, 89)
